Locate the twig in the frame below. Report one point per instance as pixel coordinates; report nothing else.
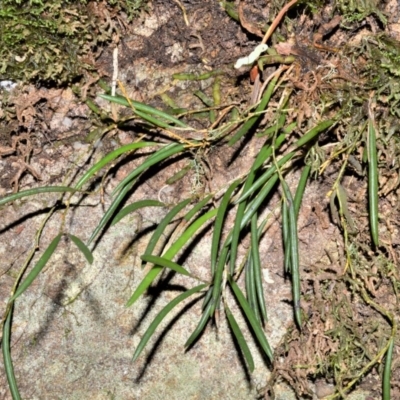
(277, 20)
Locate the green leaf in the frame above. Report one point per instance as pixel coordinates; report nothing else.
(179, 175)
(240, 339)
(250, 286)
(294, 253)
(387, 371)
(219, 221)
(37, 268)
(32, 192)
(6, 349)
(298, 197)
(141, 108)
(110, 157)
(144, 284)
(169, 254)
(252, 121)
(136, 206)
(257, 328)
(159, 156)
(314, 132)
(126, 185)
(286, 237)
(310, 135)
(111, 210)
(256, 203)
(163, 225)
(197, 207)
(257, 267)
(161, 315)
(264, 178)
(83, 248)
(217, 279)
(189, 233)
(200, 326)
(233, 240)
(373, 182)
(162, 262)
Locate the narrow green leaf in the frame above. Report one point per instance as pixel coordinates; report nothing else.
(207, 298)
(314, 132)
(161, 315)
(197, 207)
(298, 197)
(32, 192)
(294, 253)
(290, 128)
(189, 233)
(257, 328)
(111, 210)
(200, 326)
(233, 239)
(264, 178)
(204, 98)
(126, 185)
(387, 371)
(344, 210)
(153, 120)
(6, 349)
(250, 286)
(37, 268)
(169, 254)
(179, 175)
(373, 182)
(266, 152)
(240, 339)
(261, 227)
(244, 216)
(217, 279)
(142, 108)
(82, 247)
(252, 121)
(162, 262)
(274, 128)
(310, 135)
(219, 222)
(163, 224)
(160, 155)
(257, 267)
(136, 206)
(144, 284)
(110, 157)
(256, 203)
(286, 237)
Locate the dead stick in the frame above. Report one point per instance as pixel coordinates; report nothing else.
(277, 20)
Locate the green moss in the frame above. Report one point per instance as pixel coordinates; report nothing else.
(357, 10)
(54, 41)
